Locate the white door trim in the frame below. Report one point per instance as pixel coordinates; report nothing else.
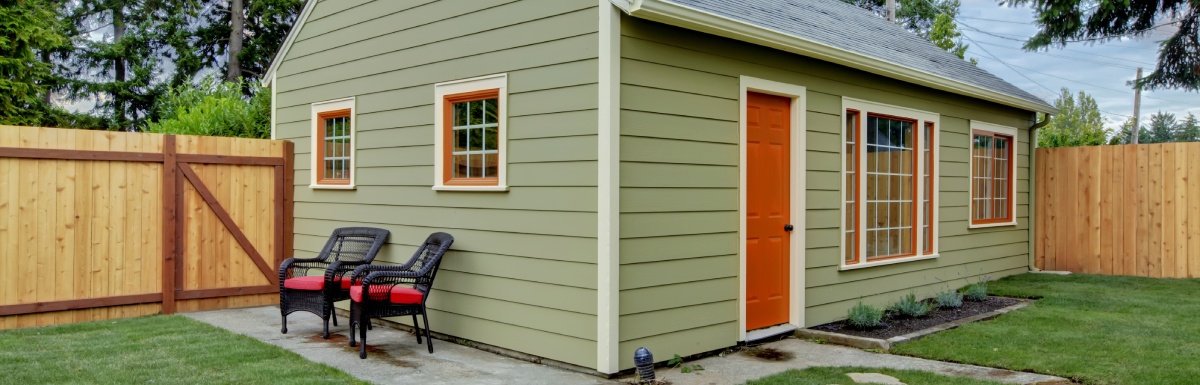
(798, 107)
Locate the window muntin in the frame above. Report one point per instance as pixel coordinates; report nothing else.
(474, 136)
(991, 177)
(334, 147)
(890, 184)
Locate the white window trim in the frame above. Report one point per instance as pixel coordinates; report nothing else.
(867, 107)
(1012, 166)
(317, 109)
(440, 91)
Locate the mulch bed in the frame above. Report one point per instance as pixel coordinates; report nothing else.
(895, 326)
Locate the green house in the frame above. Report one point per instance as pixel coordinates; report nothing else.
(682, 175)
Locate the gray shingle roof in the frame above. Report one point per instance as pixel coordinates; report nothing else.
(840, 25)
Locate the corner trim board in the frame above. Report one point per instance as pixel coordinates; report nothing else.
(608, 191)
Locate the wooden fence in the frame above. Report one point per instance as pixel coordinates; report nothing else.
(97, 225)
(1120, 210)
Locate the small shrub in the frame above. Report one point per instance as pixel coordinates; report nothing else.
(949, 300)
(909, 306)
(975, 292)
(863, 316)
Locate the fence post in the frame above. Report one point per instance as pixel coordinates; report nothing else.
(170, 234)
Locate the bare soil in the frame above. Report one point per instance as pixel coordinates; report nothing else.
(895, 325)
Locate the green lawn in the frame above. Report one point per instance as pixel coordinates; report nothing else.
(837, 375)
(155, 349)
(1094, 329)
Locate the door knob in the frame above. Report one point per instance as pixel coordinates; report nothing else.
(788, 227)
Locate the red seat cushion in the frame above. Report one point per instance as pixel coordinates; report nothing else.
(312, 282)
(399, 294)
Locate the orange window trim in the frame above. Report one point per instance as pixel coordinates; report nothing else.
(320, 155)
(860, 175)
(448, 101)
(1009, 182)
(858, 137)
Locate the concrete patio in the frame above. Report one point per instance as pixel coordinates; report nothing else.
(395, 358)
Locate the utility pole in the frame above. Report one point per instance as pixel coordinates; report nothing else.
(891, 10)
(1137, 105)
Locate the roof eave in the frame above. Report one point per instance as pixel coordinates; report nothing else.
(698, 20)
(287, 42)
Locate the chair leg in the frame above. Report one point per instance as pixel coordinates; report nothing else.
(428, 340)
(362, 353)
(284, 330)
(418, 329)
(354, 310)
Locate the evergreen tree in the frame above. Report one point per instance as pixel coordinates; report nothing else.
(245, 55)
(1078, 122)
(27, 28)
(1068, 21)
(1125, 134)
(1161, 129)
(1188, 130)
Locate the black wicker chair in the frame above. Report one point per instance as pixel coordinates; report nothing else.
(394, 291)
(347, 248)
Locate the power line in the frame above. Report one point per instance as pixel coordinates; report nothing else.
(1067, 57)
(1093, 85)
(1062, 49)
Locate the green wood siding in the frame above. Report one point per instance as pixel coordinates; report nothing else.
(522, 273)
(679, 188)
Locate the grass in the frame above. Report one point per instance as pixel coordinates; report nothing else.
(154, 349)
(1093, 329)
(837, 375)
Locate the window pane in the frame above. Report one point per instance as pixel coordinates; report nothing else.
(491, 115)
(460, 140)
(491, 163)
(460, 166)
(476, 166)
(460, 114)
(475, 140)
(491, 138)
(475, 112)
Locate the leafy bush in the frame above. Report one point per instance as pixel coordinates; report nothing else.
(949, 300)
(909, 306)
(975, 292)
(215, 108)
(864, 316)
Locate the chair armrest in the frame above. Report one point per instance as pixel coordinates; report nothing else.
(363, 270)
(340, 268)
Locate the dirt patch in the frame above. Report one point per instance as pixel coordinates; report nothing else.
(373, 353)
(769, 354)
(894, 325)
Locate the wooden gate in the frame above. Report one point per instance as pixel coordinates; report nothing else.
(98, 225)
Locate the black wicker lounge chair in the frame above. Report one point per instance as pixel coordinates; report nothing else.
(394, 291)
(347, 248)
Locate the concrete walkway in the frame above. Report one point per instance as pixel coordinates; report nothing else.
(395, 358)
(737, 368)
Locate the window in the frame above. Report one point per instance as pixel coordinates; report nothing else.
(890, 183)
(470, 134)
(333, 144)
(992, 169)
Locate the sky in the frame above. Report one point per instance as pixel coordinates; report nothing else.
(995, 34)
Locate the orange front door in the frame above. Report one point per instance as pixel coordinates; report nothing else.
(768, 209)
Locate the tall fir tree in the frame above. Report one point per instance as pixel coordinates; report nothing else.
(28, 28)
(1161, 129)
(264, 25)
(1188, 130)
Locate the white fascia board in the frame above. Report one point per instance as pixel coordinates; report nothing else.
(698, 20)
(287, 43)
